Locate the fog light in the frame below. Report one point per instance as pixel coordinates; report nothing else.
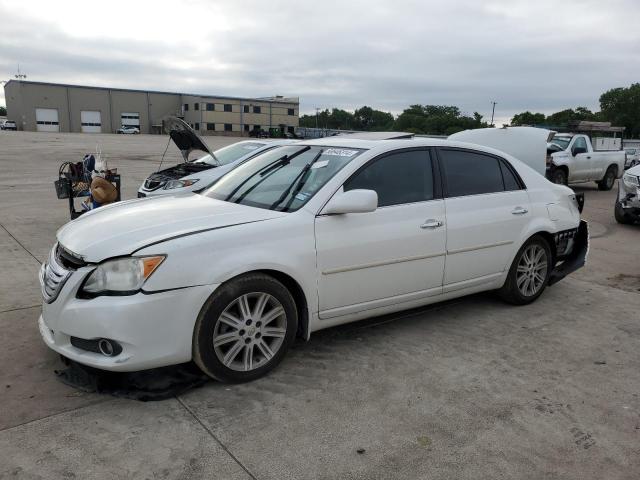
(109, 348)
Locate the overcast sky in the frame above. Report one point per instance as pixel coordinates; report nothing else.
(526, 55)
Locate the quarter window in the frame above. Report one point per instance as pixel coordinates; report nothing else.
(401, 177)
(510, 181)
(470, 173)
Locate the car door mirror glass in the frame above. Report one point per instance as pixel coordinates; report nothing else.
(577, 150)
(352, 201)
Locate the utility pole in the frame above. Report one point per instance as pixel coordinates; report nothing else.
(493, 111)
(317, 110)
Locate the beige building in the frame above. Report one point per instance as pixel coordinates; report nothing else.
(51, 107)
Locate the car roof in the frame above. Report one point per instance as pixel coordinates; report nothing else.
(345, 141)
(377, 135)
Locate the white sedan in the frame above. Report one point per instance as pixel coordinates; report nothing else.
(302, 238)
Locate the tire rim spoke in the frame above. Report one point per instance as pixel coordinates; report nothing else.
(531, 270)
(250, 331)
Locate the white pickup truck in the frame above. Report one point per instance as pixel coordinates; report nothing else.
(571, 158)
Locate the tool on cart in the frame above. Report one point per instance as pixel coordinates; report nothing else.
(90, 179)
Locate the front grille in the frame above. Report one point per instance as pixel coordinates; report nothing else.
(53, 276)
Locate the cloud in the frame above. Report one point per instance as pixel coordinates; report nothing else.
(541, 56)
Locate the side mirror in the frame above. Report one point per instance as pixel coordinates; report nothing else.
(576, 150)
(352, 201)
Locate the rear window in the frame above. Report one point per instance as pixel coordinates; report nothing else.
(471, 173)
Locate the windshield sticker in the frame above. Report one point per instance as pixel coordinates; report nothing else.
(339, 152)
(251, 147)
(302, 196)
(321, 164)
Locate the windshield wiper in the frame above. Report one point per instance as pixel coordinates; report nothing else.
(282, 161)
(300, 179)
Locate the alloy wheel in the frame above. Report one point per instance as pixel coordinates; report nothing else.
(532, 270)
(250, 331)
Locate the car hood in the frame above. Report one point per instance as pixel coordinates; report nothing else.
(124, 227)
(634, 170)
(185, 138)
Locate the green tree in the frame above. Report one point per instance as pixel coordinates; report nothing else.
(569, 116)
(527, 118)
(3, 111)
(621, 106)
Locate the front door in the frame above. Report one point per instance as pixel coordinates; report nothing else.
(392, 255)
(487, 211)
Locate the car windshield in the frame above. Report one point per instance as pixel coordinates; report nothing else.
(562, 142)
(282, 179)
(231, 153)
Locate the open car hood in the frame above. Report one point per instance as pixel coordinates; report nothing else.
(185, 138)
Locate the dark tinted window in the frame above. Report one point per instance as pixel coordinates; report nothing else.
(580, 143)
(403, 177)
(186, 107)
(510, 180)
(211, 126)
(227, 127)
(257, 109)
(228, 107)
(470, 173)
(211, 107)
(197, 126)
(246, 109)
(291, 111)
(196, 106)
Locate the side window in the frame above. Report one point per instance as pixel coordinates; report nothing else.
(471, 173)
(402, 177)
(510, 181)
(580, 143)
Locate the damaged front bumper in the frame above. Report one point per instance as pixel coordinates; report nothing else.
(576, 244)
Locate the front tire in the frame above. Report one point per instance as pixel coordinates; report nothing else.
(621, 217)
(529, 272)
(608, 180)
(245, 329)
(559, 177)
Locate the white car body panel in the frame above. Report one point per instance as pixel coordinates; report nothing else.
(347, 267)
(527, 144)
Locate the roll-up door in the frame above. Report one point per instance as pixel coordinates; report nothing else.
(47, 120)
(91, 122)
(131, 119)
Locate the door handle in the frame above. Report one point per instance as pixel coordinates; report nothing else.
(432, 223)
(519, 211)
(588, 158)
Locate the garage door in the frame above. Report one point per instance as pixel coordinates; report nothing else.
(47, 120)
(130, 119)
(90, 122)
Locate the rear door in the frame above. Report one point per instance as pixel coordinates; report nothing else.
(487, 210)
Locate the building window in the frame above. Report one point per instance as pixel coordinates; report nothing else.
(291, 111)
(246, 109)
(197, 127)
(211, 126)
(211, 107)
(186, 107)
(196, 106)
(228, 107)
(257, 109)
(246, 127)
(227, 127)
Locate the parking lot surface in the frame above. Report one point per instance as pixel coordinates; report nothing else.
(469, 389)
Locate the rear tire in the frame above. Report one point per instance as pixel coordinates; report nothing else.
(529, 272)
(609, 179)
(621, 217)
(245, 329)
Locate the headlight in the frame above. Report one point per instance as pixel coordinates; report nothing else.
(630, 181)
(171, 184)
(121, 276)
